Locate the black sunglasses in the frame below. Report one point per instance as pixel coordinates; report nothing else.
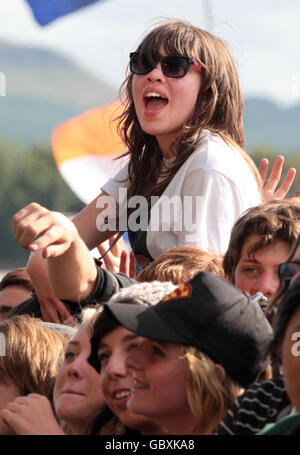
(287, 270)
(172, 65)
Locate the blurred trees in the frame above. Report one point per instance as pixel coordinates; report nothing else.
(28, 175)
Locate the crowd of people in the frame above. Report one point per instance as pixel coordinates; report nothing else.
(196, 330)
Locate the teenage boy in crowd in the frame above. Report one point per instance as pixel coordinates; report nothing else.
(261, 240)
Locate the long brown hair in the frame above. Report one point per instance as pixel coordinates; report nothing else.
(219, 106)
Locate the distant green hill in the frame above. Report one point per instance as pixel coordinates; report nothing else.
(45, 89)
(40, 73)
(267, 124)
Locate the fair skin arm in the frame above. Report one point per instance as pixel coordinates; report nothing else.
(72, 273)
(52, 308)
(71, 268)
(269, 189)
(31, 415)
(85, 221)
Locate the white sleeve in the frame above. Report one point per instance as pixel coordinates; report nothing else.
(120, 180)
(211, 205)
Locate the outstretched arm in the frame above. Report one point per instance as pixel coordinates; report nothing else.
(52, 308)
(71, 268)
(87, 223)
(103, 210)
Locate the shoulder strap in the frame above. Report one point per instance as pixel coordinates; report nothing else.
(113, 244)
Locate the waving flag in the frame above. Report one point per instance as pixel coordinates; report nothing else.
(46, 11)
(84, 149)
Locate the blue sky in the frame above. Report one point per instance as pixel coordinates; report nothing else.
(264, 37)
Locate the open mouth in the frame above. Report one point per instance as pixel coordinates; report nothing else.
(155, 101)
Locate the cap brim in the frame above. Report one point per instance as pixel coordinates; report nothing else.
(144, 321)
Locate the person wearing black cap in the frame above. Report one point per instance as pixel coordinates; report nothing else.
(111, 344)
(210, 341)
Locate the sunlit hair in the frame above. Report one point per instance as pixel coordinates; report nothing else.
(33, 356)
(283, 286)
(17, 277)
(274, 221)
(87, 318)
(182, 264)
(219, 107)
(208, 396)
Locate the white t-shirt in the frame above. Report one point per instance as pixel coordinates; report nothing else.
(210, 192)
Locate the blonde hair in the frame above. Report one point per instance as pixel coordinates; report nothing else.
(209, 398)
(88, 317)
(182, 264)
(33, 356)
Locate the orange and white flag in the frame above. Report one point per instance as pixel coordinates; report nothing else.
(84, 149)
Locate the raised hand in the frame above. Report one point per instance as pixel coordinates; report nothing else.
(38, 229)
(269, 185)
(48, 234)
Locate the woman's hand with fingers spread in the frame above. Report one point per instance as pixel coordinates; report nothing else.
(31, 415)
(269, 185)
(38, 229)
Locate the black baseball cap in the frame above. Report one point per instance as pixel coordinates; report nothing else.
(210, 314)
